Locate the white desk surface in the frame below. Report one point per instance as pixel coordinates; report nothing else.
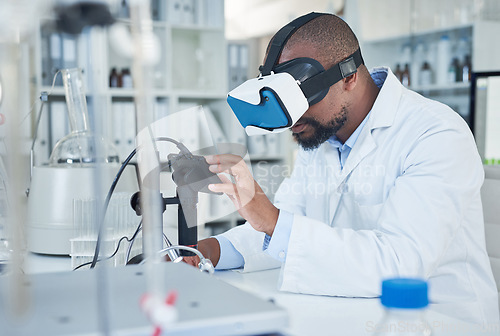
(308, 314)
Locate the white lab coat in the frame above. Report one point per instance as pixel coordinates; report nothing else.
(406, 203)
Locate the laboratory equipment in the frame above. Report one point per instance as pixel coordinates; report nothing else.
(404, 300)
(65, 304)
(120, 222)
(191, 175)
(5, 254)
(275, 101)
(114, 78)
(68, 176)
(205, 265)
(443, 59)
(126, 79)
(426, 74)
(80, 145)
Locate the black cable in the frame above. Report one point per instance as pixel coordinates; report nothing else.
(179, 145)
(117, 247)
(106, 203)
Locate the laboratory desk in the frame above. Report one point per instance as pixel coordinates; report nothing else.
(307, 314)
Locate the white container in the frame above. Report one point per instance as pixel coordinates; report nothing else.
(50, 203)
(443, 59)
(416, 64)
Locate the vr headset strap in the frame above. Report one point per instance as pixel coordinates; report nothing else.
(331, 76)
(280, 39)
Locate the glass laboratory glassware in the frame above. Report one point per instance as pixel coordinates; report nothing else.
(79, 146)
(5, 255)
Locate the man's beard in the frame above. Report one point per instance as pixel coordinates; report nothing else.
(321, 132)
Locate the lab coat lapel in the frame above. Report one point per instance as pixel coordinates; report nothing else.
(382, 115)
(364, 146)
(333, 181)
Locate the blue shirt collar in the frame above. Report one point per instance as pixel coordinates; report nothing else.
(379, 75)
(334, 141)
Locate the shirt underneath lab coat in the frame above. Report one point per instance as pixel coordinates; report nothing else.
(406, 203)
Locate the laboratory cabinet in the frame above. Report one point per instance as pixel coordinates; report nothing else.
(433, 53)
(191, 66)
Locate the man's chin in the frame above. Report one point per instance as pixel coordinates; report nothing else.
(306, 142)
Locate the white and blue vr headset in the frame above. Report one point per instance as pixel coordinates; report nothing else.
(275, 101)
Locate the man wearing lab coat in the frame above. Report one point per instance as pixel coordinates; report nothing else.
(386, 183)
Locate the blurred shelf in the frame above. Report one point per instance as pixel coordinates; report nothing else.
(442, 87)
(419, 34)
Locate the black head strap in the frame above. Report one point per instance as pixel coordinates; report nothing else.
(281, 38)
(331, 76)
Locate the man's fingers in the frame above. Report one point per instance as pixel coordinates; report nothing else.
(225, 179)
(193, 261)
(223, 158)
(226, 188)
(226, 163)
(235, 170)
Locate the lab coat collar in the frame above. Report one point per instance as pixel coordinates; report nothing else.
(384, 109)
(382, 115)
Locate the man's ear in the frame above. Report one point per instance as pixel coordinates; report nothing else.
(350, 81)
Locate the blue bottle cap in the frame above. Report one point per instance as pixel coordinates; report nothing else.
(404, 293)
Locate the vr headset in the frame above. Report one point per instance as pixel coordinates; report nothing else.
(275, 101)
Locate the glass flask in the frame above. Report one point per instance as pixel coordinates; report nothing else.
(79, 146)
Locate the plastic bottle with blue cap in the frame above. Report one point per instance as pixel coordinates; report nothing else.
(405, 301)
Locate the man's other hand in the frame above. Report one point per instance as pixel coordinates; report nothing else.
(210, 249)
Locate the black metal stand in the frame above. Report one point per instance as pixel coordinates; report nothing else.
(187, 219)
(192, 175)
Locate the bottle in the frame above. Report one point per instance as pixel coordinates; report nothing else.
(398, 73)
(113, 78)
(405, 54)
(126, 78)
(462, 48)
(454, 71)
(443, 59)
(405, 76)
(119, 80)
(466, 69)
(425, 74)
(124, 11)
(416, 64)
(404, 301)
